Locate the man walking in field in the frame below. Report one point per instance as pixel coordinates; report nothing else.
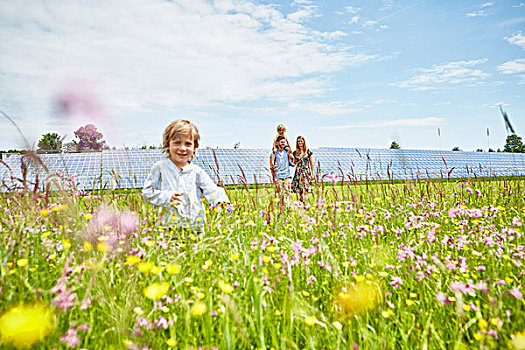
(281, 160)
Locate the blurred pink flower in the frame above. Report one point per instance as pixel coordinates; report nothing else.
(78, 98)
(396, 282)
(114, 225)
(442, 298)
(70, 338)
(516, 293)
(332, 178)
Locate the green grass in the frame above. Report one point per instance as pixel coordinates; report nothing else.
(290, 268)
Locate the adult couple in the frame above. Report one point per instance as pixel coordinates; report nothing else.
(280, 162)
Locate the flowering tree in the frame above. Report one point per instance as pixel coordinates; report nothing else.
(89, 139)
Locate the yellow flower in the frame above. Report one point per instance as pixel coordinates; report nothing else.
(337, 325)
(409, 302)
(271, 249)
(359, 278)
(132, 260)
(44, 212)
(206, 265)
(145, 266)
(149, 243)
(201, 295)
(173, 269)
(361, 297)
(310, 320)
(387, 313)
(87, 247)
(171, 342)
(22, 262)
(103, 247)
(234, 256)
(198, 309)
(25, 325)
(225, 287)
(156, 290)
(277, 313)
(138, 310)
(518, 339)
(155, 270)
(483, 324)
(478, 336)
(265, 259)
(66, 243)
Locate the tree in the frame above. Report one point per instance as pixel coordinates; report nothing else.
(395, 145)
(456, 149)
(89, 139)
(479, 150)
(237, 145)
(513, 144)
(50, 143)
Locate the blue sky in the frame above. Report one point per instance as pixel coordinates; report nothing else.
(340, 73)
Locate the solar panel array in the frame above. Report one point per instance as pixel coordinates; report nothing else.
(129, 168)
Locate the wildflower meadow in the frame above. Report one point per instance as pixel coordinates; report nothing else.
(415, 264)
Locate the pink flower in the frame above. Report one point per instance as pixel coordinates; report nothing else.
(442, 298)
(70, 338)
(516, 293)
(79, 98)
(332, 178)
(396, 282)
(161, 322)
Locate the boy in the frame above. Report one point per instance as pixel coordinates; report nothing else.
(176, 185)
(280, 163)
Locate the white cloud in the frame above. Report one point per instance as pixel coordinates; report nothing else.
(521, 4)
(328, 108)
(354, 19)
(168, 55)
(401, 122)
(513, 67)
(446, 75)
(517, 39)
(352, 9)
(480, 13)
(487, 4)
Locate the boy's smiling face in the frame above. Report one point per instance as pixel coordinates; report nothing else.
(181, 150)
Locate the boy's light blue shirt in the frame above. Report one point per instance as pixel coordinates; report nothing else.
(283, 165)
(165, 179)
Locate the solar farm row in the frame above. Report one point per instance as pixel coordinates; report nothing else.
(129, 168)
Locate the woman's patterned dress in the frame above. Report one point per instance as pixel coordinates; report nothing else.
(302, 178)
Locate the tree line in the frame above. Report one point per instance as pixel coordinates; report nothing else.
(513, 144)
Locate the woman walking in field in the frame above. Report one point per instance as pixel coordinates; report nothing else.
(304, 168)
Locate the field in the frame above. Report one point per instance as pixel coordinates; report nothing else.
(412, 265)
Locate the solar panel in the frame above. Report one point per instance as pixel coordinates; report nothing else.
(129, 168)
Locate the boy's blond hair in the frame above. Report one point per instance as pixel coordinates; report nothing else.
(178, 128)
(281, 127)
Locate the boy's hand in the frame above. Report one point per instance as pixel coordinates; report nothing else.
(175, 199)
